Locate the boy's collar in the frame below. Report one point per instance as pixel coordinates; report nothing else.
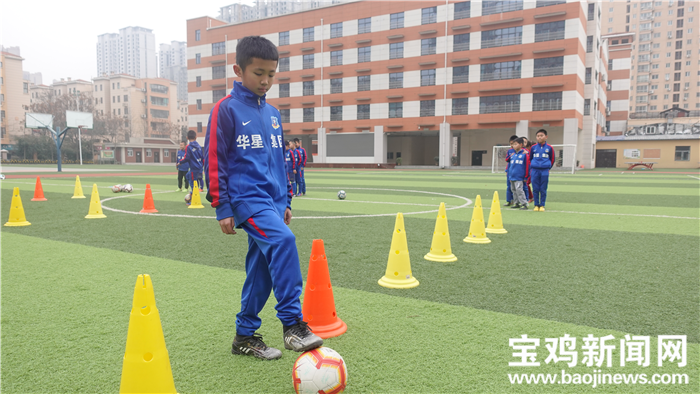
(246, 95)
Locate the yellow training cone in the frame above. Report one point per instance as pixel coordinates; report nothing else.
(398, 270)
(495, 225)
(440, 249)
(196, 202)
(146, 367)
(17, 217)
(78, 193)
(95, 211)
(477, 229)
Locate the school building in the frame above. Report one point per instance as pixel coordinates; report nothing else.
(427, 82)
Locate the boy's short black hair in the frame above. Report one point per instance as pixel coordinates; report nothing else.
(543, 131)
(513, 138)
(191, 135)
(296, 140)
(254, 46)
(520, 141)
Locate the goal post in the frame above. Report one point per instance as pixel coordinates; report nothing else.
(565, 158)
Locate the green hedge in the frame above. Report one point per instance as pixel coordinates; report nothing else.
(44, 162)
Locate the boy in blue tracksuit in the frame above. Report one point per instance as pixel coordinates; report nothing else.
(301, 160)
(518, 172)
(541, 161)
(509, 193)
(182, 168)
(290, 163)
(193, 157)
(248, 186)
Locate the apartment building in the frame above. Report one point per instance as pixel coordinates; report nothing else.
(237, 12)
(172, 65)
(618, 89)
(370, 82)
(131, 51)
(14, 99)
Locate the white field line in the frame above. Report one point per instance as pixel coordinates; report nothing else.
(368, 202)
(627, 214)
(694, 177)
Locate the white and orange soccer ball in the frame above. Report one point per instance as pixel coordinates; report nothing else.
(320, 370)
(116, 188)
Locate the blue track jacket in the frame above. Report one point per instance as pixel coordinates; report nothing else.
(542, 156)
(193, 157)
(244, 159)
(519, 166)
(291, 161)
(182, 166)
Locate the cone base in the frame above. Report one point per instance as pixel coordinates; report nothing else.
(17, 224)
(148, 211)
(200, 206)
(96, 216)
(440, 259)
(39, 199)
(496, 231)
(475, 240)
(78, 197)
(331, 330)
(398, 283)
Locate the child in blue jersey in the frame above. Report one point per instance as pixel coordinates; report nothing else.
(182, 168)
(541, 161)
(193, 158)
(518, 172)
(509, 193)
(290, 163)
(248, 186)
(527, 144)
(301, 160)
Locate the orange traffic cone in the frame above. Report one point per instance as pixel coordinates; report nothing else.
(38, 191)
(319, 306)
(148, 206)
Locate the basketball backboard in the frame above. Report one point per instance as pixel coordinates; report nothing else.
(38, 121)
(76, 119)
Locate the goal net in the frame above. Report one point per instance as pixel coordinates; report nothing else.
(565, 158)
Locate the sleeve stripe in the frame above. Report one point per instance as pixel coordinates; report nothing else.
(213, 175)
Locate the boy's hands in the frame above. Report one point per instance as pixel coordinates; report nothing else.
(287, 216)
(228, 225)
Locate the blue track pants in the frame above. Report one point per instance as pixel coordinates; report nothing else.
(540, 181)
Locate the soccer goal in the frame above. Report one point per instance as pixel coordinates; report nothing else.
(565, 158)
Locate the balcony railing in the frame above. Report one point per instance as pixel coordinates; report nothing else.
(462, 46)
(501, 8)
(499, 108)
(361, 87)
(546, 105)
(308, 64)
(548, 71)
(506, 74)
(546, 3)
(462, 14)
(427, 112)
(501, 42)
(549, 36)
(654, 115)
(460, 79)
(395, 84)
(308, 92)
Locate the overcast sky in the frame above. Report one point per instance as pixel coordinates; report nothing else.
(59, 38)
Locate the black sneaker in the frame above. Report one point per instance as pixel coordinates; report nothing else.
(516, 206)
(298, 337)
(254, 346)
(507, 204)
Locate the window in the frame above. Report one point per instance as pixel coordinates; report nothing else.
(197, 58)
(428, 15)
(591, 12)
(308, 114)
(462, 10)
(428, 46)
(502, 37)
(149, 153)
(460, 106)
(676, 87)
(284, 38)
(396, 20)
(396, 50)
(283, 64)
(395, 110)
(197, 35)
(551, 66)
(498, 6)
(546, 101)
(588, 75)
(218, 72)
(364, 54)
(427, 108)
(337, 112)
(162, 101)
(336, 58)
(395, 80)
(680, 13)
(283, 90)
(166, 153)
(460, 74)
(589, 44)
(499, 104)
(336, 30)
(308, 34)
(460, 42)
(679, 23)
(308, 88)
(337, 85)
(218, 94)
(362, 111)
(502, 70)
(427, 77)
(587, 106)
(683, 153)
(364, 25)
(199, 81)
(551, 31)
(284, 114)
(25, 87)
(308, 61)
(199, 104)
(218, 48)
(199, 127)
(130, 152)
(160, 113)
(363, 83)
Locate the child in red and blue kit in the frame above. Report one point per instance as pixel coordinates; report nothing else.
(509, 193)
(518, 172)
(542, 159)
(248, 186)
